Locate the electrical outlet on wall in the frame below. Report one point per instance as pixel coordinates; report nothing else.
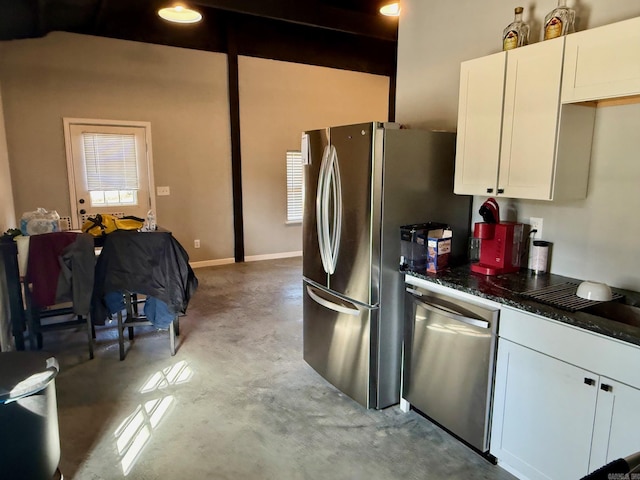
(536, 224)
(196, 243)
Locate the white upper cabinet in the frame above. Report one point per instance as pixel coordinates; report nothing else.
(479, 124)
(531, 113)
(509, 118)
(602, 63)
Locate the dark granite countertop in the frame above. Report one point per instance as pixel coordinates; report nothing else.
(506, 289)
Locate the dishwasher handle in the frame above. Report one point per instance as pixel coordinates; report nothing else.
(453, 316)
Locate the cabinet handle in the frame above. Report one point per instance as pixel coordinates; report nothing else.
(489, 190)
(501, 190)
(606, 388)
(589, 381)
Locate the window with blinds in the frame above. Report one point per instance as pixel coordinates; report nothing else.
(294, 186)
(111, 168)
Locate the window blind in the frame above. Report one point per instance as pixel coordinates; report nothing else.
(110, 161)
(294, 186)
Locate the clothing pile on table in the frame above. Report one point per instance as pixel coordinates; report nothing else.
(153, 264)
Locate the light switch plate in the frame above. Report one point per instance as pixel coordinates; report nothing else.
(162, 191)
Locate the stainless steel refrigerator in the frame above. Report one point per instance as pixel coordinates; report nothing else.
(362, 182)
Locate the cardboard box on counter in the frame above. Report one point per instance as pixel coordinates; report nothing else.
(438, 249)
(425, 246)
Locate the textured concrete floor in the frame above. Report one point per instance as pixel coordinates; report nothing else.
(237, 401)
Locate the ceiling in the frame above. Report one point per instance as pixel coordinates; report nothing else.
(35, 18)
(347, 34)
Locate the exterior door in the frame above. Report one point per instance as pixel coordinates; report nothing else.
(109, 168)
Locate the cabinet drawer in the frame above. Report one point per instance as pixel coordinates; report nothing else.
(597, 353)
(602, 63)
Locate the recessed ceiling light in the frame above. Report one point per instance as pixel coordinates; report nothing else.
(180, 14)
(391, 9)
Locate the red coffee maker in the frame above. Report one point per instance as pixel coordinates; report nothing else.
(500, 242)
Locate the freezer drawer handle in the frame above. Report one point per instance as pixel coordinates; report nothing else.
(460, 318)
(331, 305)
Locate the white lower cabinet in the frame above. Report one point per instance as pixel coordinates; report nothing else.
(551, 418)
(543, 414)
(616, 431)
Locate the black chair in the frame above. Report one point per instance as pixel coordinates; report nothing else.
(10, 274)
(136, 319)
(149, 264)
(58, 285)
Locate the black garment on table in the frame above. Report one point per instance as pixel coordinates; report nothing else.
(61, 269)
(77, 270)
(150, 263)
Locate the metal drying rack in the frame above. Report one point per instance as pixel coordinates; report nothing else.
(564, 296)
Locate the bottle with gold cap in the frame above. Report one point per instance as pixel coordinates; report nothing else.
(559, 21)
(517, 32)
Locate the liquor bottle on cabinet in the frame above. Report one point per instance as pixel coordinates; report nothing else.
(517, 32)
(559, 21)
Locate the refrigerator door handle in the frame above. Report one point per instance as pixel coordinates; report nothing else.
(324, 213)
(321, 208)
(330, 305)
(453, 316)
(336, 193)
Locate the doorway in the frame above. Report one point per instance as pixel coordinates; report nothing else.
(109, 167)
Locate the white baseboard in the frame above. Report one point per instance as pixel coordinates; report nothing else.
(250, 258)
(272, 256)
(212, 263)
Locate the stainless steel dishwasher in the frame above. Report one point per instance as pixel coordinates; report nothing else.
(448, 362)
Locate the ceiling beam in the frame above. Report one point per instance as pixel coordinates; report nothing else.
(311, 13)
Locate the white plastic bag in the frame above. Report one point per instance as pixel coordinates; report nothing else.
(40, 221)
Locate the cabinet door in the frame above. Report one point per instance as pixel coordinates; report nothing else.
(617, 421)
(479, 125)
(530, 122)
(603, 62)
(543, 414)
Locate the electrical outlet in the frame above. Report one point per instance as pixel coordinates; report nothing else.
(196, 243)
(536, 224)
(162, 191)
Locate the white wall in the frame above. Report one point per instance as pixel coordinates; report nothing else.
(183, 93)
(7, 215)
(7, 220)
(594, 238)
(436, 35)
(278, 101)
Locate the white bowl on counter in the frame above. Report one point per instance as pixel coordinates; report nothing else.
(596, 291)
